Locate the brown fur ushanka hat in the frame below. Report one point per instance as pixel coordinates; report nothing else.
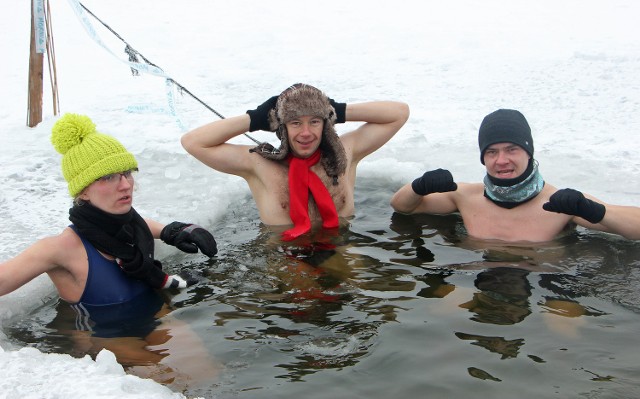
(300, 100)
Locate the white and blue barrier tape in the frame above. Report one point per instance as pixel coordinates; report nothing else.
(138, 66)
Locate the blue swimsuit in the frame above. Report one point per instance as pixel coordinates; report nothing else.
(106, 282)
(113, 301)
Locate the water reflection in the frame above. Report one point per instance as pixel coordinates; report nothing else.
(576, 265)
(143, 334)
(335, 296)
(322, 303)
(437, 285)
(503, 296)
(506, 348)
(410, 299)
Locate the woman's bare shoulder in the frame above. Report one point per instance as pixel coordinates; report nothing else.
(61, 246)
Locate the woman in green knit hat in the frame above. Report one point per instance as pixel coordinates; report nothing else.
(103, 263)
(106, 257)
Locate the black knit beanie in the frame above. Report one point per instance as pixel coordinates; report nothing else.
(505, 126)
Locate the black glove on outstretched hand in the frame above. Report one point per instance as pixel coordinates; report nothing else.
(341, 110)
(189, 238)
(260, 116)
(434, 181)
(573, 202)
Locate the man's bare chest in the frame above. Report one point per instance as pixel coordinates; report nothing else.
(525, 222)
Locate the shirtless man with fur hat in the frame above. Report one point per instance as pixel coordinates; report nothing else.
(311, 176)
(514, 203)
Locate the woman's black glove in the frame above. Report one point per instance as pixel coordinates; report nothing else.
(434, 181)
(260, 116)
(189, 238)
(573, 202)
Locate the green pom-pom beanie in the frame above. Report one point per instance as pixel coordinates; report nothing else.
(87, 155)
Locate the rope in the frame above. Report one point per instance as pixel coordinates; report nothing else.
(133, 58)
(51, 60)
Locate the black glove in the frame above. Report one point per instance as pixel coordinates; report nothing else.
(341, 110)
(573, 202)
(189, 237)
(434, 181)
(260, 116)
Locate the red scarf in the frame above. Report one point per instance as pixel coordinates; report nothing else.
(301, 181)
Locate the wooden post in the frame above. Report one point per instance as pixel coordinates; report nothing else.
(34, 114)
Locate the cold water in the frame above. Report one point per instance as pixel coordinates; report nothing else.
(388, 306)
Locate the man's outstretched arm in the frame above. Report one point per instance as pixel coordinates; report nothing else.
(592, 213)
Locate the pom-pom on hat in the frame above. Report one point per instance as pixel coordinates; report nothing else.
(86, 154)
(505, 126)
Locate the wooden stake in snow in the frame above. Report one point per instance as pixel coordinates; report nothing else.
(41, 41)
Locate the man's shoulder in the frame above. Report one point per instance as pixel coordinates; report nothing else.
(547, 191)
(470, 188)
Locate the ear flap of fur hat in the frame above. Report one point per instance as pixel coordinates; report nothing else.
(268, 151)
(334, 157)
(300, 100)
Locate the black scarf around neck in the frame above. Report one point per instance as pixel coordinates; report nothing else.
(126, 237)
